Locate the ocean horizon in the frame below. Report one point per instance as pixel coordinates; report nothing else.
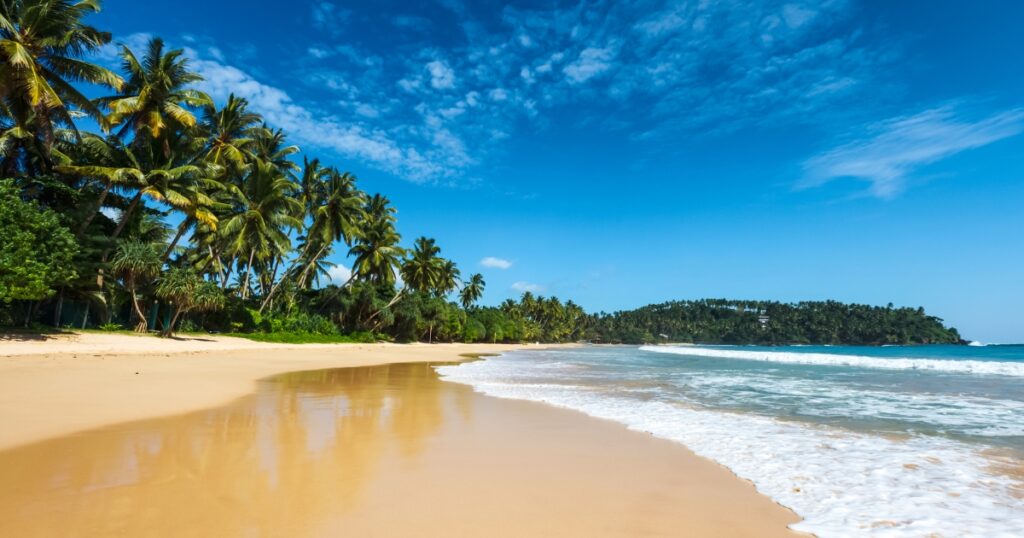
(880, 441)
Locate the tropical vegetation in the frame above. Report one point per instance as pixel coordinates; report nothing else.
(722, 321)
(179, 213)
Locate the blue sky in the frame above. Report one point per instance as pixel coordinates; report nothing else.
(626, 152)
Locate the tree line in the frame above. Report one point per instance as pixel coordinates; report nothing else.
(722, 321)
(182, 213)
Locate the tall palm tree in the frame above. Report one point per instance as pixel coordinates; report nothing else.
(156, 98)
(264, 209)
(376, 252)
(230, 130)
(472, 290)
(41, 42)
(335, 214)
(421, 271)
(447, 278)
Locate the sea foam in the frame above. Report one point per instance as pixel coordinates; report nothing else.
(1015, 369)
(841, 483)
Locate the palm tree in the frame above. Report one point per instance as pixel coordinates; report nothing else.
(134, 261)
(230, 130)
(264, 209)
(152, 176)
(336, 213)
(155, 100)
(421, 271)
(472, 290)
(41, 42)
(447, 278)
(376, 252)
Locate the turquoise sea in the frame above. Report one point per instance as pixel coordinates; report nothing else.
(860, 441)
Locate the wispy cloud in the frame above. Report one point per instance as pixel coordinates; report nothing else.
(526, 286)
(419, 155)
(887, 154)
(495, 263)
(430, 109)
(591, 62)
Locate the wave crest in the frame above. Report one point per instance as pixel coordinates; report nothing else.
(1014, 369)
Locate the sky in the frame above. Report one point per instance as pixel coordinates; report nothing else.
(627, 152)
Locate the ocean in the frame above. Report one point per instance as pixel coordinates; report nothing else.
(880, 441)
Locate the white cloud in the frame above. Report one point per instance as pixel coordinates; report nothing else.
(441, 76)
(526, 286)
(590, 63)
(894, 149)
(495, 263)
(339, 274)
(376, 146)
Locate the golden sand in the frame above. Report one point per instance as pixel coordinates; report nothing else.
(373, 451)
(368, 451)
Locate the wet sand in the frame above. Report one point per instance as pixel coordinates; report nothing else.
(373, 451)
(57, 385)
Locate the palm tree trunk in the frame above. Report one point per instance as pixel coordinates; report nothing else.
(169, 329)
(127, 213)
(335, 293)
(174, 243)
(142, 325)
(117, 232)
(245, 279)
(92, 215)
(302, 277)
(387, 306)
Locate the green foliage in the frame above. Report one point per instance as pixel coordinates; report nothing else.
(35, 249)
(720, 321)
(110, 327)
(297, 323)
(187, 292)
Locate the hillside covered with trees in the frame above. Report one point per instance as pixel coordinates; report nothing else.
(721, 321)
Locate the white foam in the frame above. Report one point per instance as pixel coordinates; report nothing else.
(841, 483)
(969, 415)
(1015, 369)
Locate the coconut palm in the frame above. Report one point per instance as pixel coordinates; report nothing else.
(156, 98)
(230, 130)
(135, 261)
(421, 269)
(264, 210)
(472, 290)
(376, 252)
(447, 278)
(41, 42)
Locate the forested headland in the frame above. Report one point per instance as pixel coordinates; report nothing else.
(722, 321)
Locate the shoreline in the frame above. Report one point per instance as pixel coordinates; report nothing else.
(516, 467)
(57, 385)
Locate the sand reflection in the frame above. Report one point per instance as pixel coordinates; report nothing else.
(283, 461)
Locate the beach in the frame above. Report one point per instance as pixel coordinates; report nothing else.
(122, 435)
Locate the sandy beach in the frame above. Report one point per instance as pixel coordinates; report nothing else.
(110, 435)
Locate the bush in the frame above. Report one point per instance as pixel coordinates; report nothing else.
(111, 326)
(36, 251)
